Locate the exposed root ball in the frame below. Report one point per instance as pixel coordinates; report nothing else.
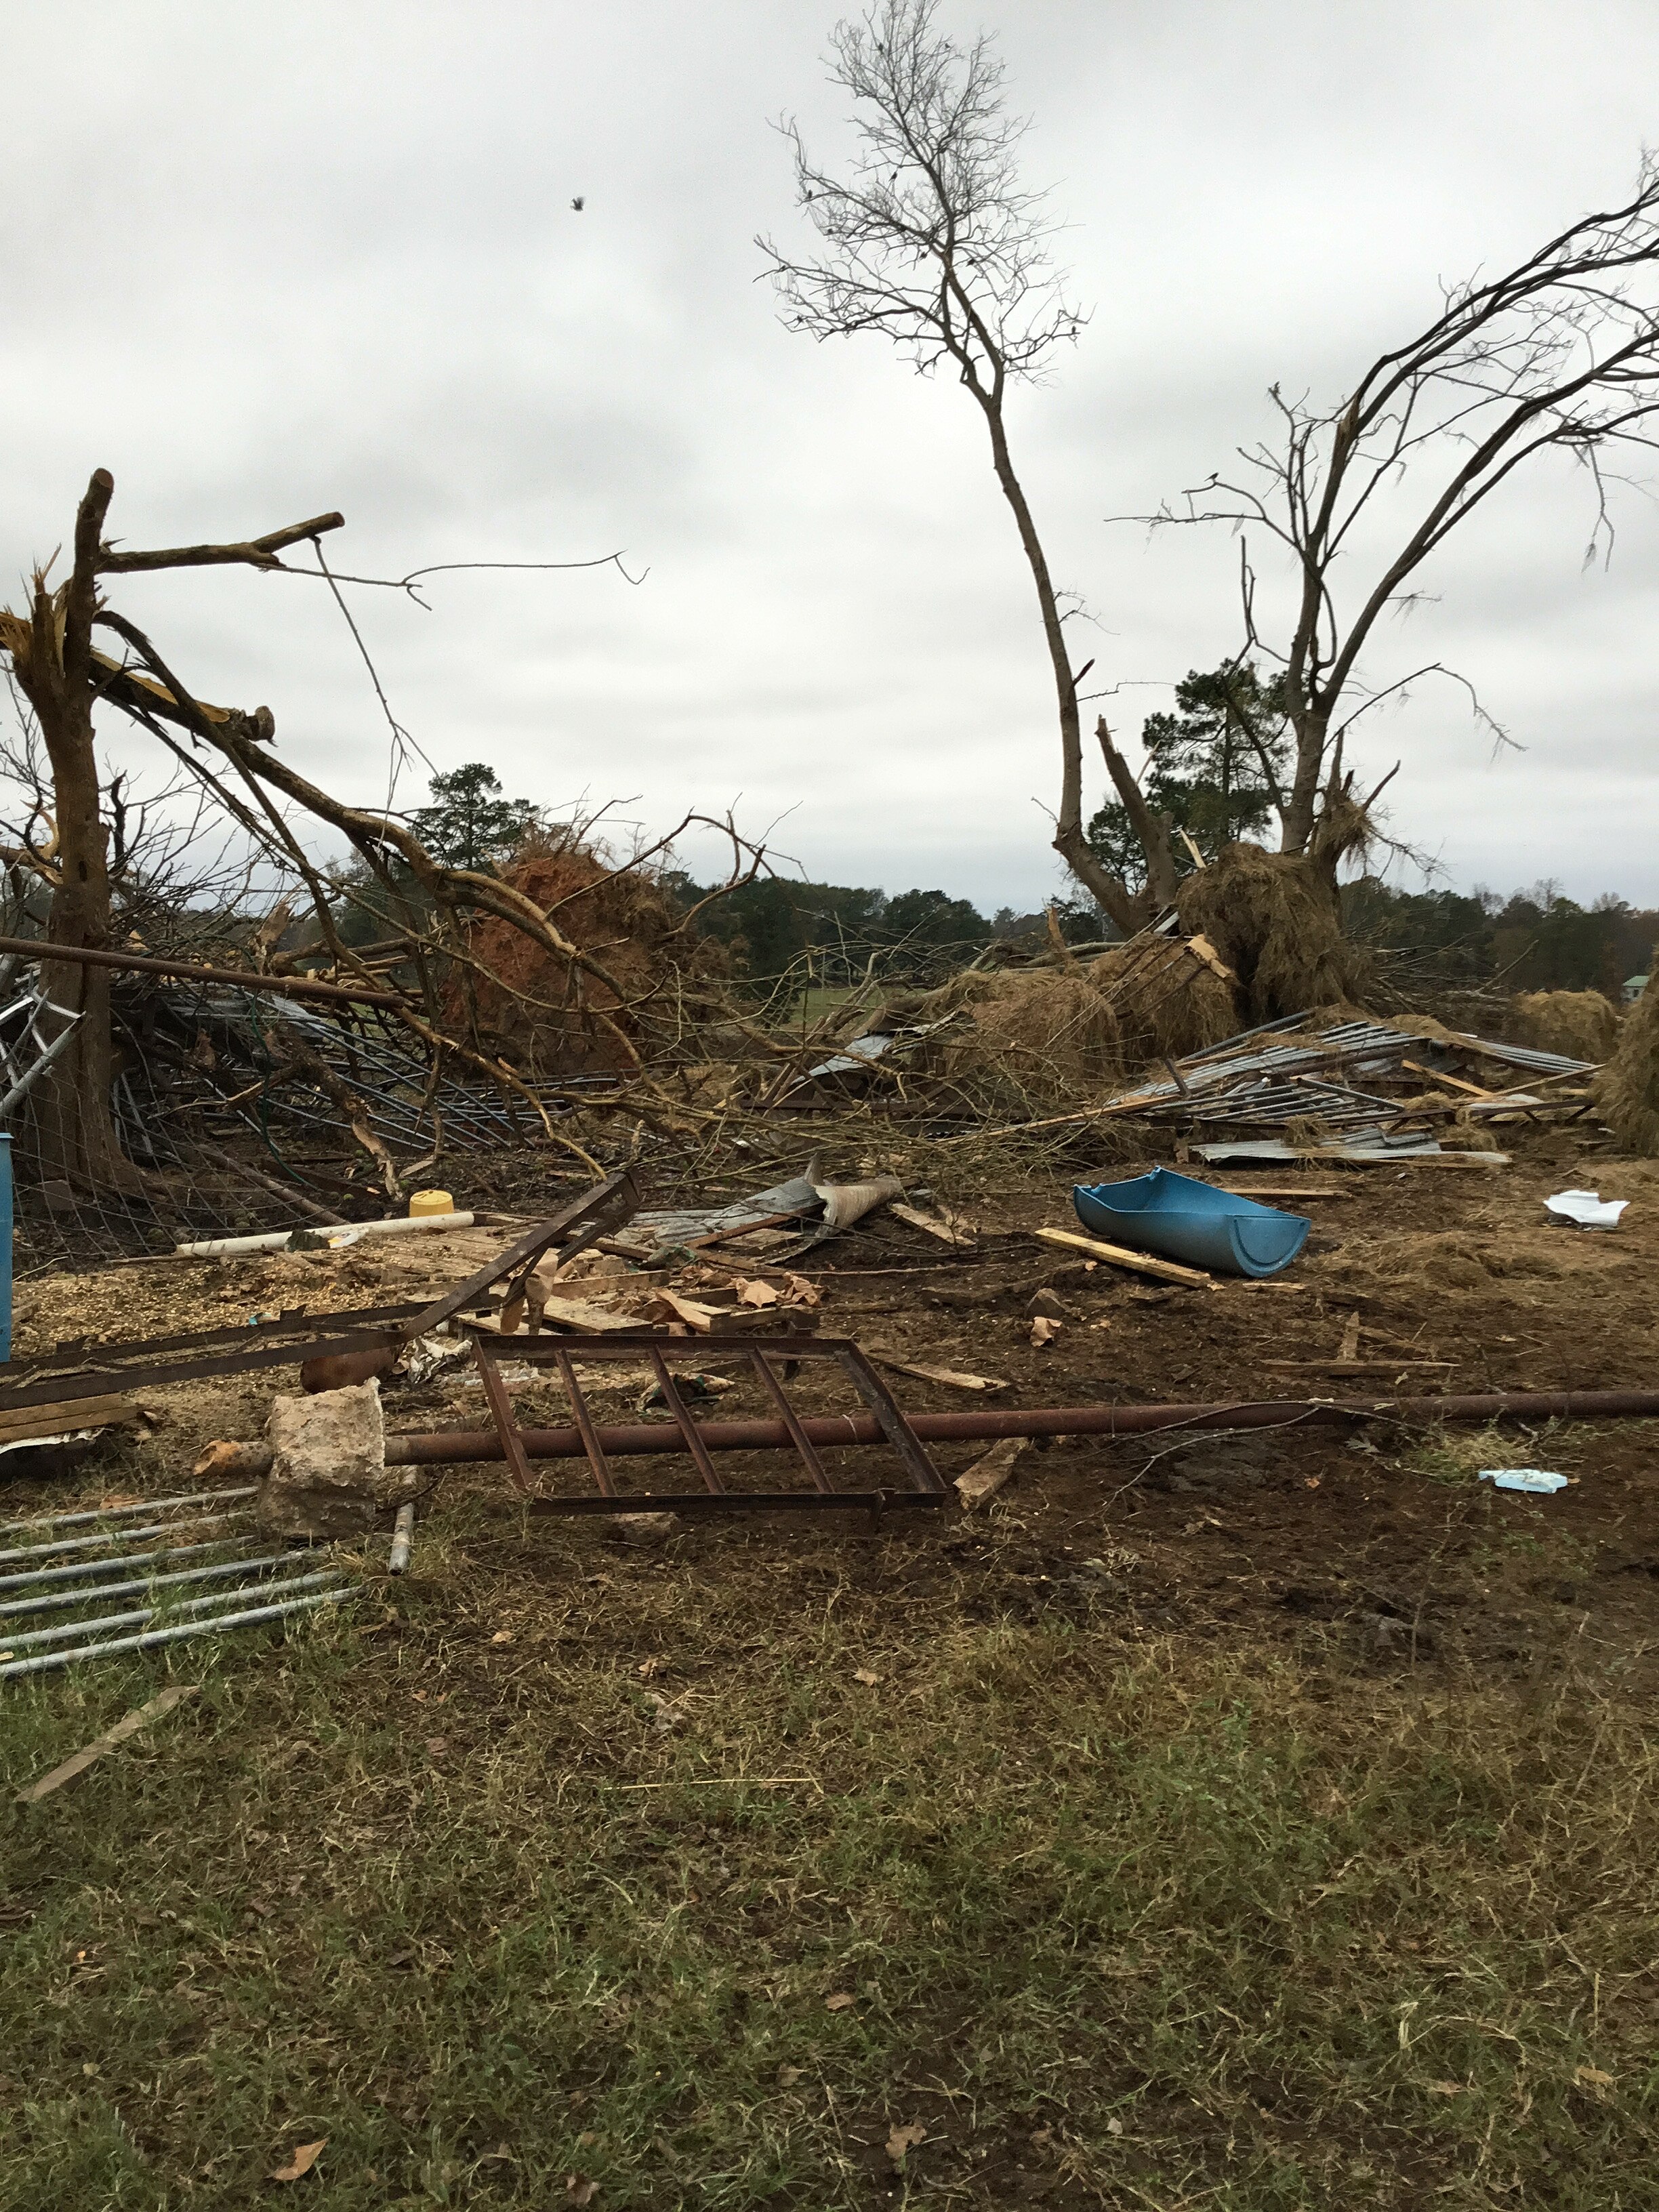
(1057, 1034)
(1273, 918)
(1167, 1001)
(626, 921)
(1627, 1089)
(1043, 1034)
(1582, 1025)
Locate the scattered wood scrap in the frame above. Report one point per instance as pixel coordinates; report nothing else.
(952, 1378)
(1143, 1263)
(111, 1740)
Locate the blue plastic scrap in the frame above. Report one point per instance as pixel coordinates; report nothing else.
(1523, 1478)
(1192, 1221)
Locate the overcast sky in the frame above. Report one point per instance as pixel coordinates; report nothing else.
(263, 262)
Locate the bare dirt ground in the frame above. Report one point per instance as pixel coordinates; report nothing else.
(1458, 1280)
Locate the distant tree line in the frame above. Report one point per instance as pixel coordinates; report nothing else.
(768, 926)
(1208, 766)
(1534, 941)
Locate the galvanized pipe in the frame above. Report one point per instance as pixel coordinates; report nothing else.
(10, 1645)
(44, 1660)
(81, 1568)
(457, 1447)
(57, 1600)
(403, 1538)
(117, 1512)
(118, 1536)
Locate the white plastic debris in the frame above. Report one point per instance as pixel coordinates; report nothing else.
(1588, 1208)
(1523, 1478)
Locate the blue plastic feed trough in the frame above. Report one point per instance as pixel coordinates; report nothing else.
(1193, 1222)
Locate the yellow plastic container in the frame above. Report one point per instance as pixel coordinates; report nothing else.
(430, 1201)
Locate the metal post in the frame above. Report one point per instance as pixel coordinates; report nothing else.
(403, 1536)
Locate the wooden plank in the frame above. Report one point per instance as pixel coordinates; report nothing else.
(22, 1424)
(162, 1703)
(1143, 1262)
(1451, 1082)
(1281, 1190)
(1349, 1366)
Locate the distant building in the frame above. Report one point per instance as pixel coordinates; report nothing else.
(1634, 986)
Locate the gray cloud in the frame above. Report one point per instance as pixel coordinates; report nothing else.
(265, 262)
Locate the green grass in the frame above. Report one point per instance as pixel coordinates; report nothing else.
(1124, 1922)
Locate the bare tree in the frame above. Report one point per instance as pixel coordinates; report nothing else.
(932, 241)
(1560, 353)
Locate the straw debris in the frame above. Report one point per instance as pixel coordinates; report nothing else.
(1579, 1024)
(1627, 1089)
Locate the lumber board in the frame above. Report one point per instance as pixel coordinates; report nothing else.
(1144, 1263)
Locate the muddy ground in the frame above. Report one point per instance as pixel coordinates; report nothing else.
(1456, 1277)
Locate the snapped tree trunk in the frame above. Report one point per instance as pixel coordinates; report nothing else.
(1311, 726)
(1152, 830)
(71, 1135)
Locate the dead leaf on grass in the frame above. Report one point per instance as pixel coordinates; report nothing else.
(437, 1745)
(903, 2139)
(1445, 2088)
(579, 2190)
(863, 1674)
(840, 2002)
(1592, 2077)
(788, 2075)
(502, 1635)
(301, 2162)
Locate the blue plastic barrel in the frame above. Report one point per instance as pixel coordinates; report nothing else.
(5, 1246)
(1193, 1222)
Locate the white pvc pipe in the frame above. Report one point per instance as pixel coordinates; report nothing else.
(402, 1225)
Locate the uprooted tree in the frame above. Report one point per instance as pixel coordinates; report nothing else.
(229, 752)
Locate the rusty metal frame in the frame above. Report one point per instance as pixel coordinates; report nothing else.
(924, 1484)
(82, 1369)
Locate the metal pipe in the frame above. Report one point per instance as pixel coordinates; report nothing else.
(56, 1600)
(44, 1660)
(118, 1536)
(66, 1628)
(83, 1567)
(397, 1225)
(116, 1512)
(19, 1089)
(455, 1447)
(403, 1537)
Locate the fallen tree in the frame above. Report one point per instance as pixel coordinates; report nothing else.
(229, 753)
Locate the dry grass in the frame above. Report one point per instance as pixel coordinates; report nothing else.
(1123, 1922)
(1580, 1024)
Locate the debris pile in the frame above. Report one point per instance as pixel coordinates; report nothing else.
(1357, 1088)
(562, 1019)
